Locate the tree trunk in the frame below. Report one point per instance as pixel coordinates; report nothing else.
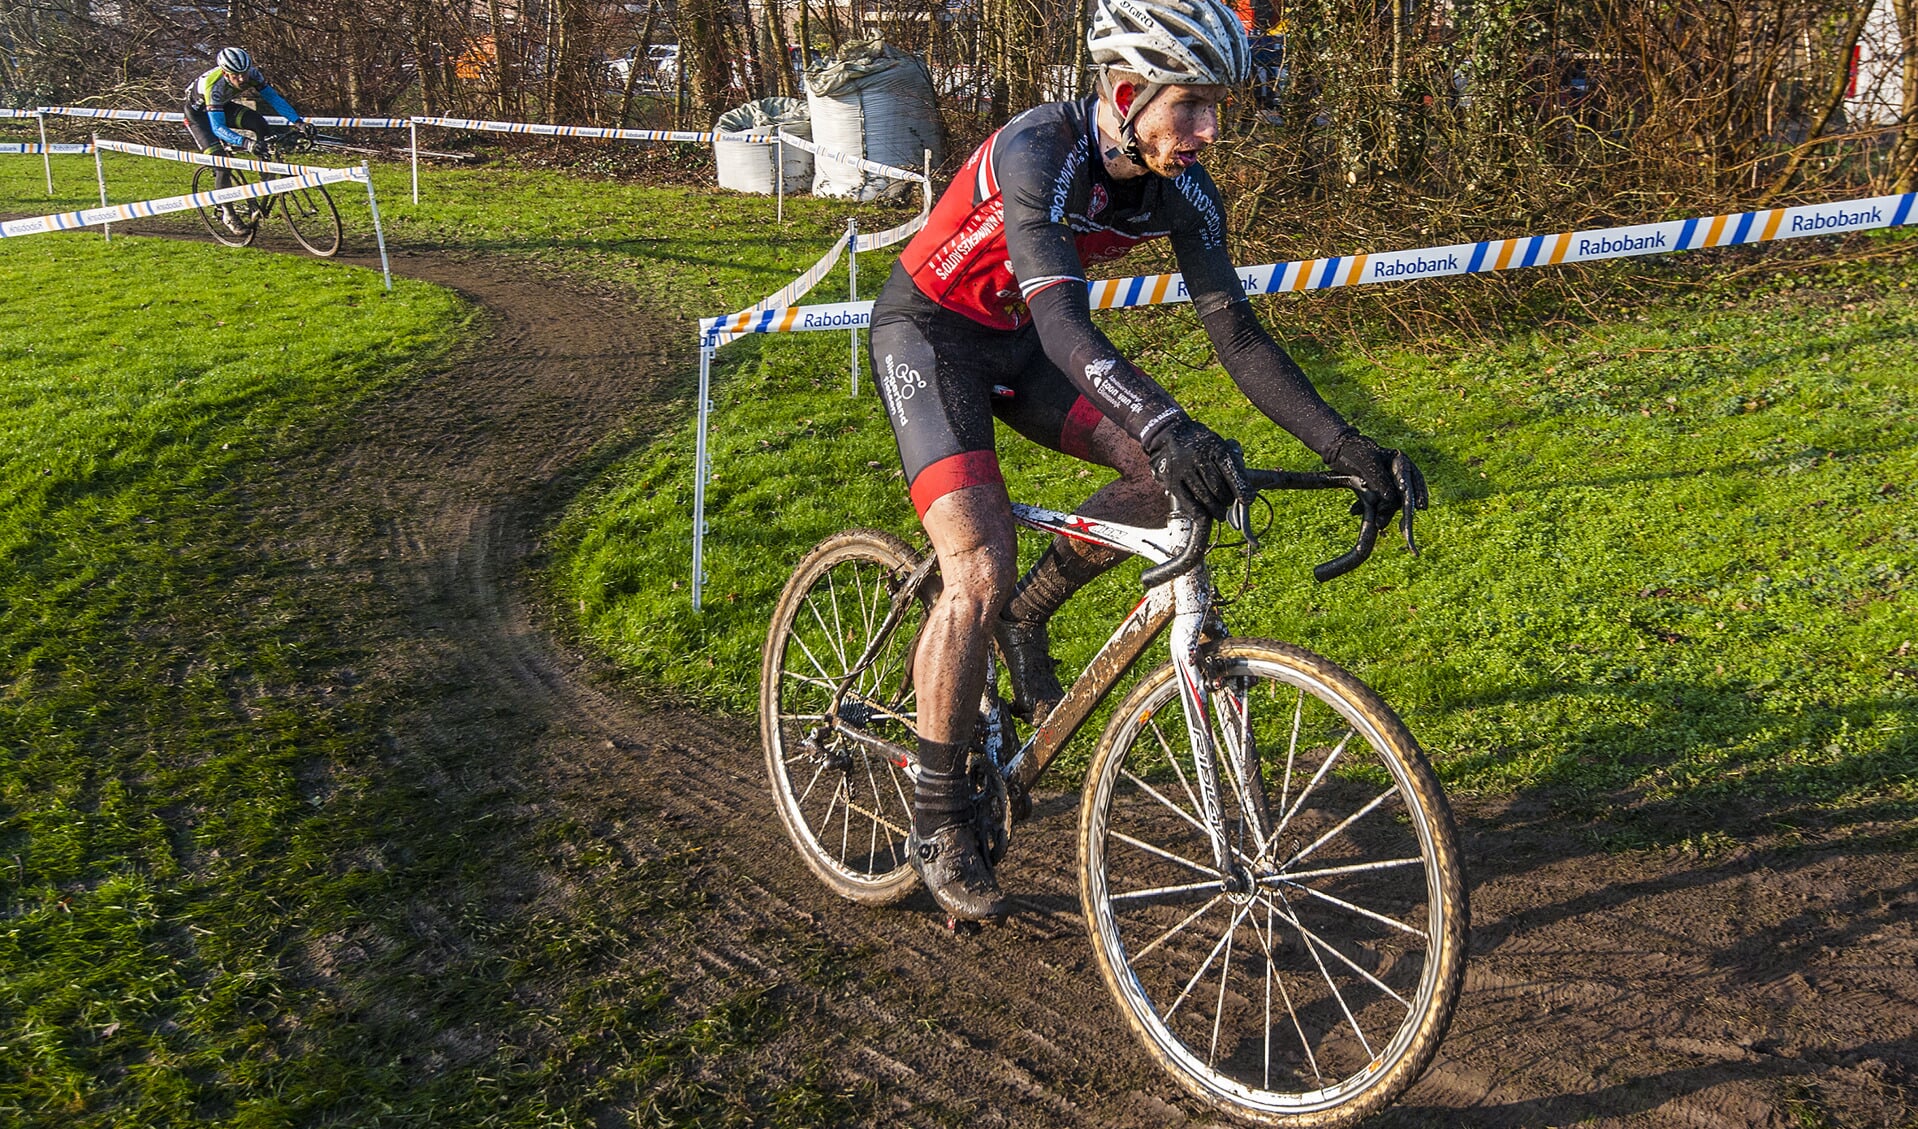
(502, 55)
(1904, 158)
(1834, 101)
(642, 57)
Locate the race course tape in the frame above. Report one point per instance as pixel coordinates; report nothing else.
(20, 147)
(1762, 226)
(579, 130)
(1529, 251)
(72, 221)
(891, 235)
(209, 160)
(116, 115)
(820, 152)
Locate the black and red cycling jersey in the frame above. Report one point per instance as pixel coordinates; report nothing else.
(1004, 255)
(1034, 207)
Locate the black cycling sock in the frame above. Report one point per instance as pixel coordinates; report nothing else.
(1065, 567)
(942, 796)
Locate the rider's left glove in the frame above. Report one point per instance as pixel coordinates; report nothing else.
(1388, 474)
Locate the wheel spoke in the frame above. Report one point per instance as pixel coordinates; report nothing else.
(1177, 929)
(1170, 806)
(1231, 927)
(1181, 860)
(1378, 917)
(1331, 758)
(1330, 871)
(1343, 824)
(1294, 922)
(1161, 894)
(1333, 984)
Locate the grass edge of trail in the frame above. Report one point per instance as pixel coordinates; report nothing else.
(230, 899)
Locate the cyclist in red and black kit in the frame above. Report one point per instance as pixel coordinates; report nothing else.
(993, 292)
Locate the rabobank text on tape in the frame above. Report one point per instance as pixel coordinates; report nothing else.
(36, 148)
(187, 157)
(1529, 251)
(88, 217)
(790, 319)
(1436, 262)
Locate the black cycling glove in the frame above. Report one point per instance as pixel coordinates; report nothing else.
(1389, 474)
(1197, 468)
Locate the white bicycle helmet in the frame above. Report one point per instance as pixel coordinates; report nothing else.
(1167, 42)
(235, 60)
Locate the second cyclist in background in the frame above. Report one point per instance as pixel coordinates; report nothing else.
(215, 116)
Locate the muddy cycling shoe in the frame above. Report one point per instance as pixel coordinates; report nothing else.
(1035, 679)
(232, 221)
(951, 865)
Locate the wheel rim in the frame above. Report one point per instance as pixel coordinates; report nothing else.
(849, 806)
(313, 218)
(1308, 985)
(204, 180)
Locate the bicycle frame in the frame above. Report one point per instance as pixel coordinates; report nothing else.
(1183, 603)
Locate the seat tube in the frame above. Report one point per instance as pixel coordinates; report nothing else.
(1190, 593)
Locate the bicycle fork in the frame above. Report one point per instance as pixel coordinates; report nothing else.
(1240, 763)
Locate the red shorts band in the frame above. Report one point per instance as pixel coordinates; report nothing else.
(955, 472)
(1075, 438)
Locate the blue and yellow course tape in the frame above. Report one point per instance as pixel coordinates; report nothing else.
(89, 217)
(1485, 257)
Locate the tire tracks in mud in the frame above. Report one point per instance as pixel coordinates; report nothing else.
(1604, 989)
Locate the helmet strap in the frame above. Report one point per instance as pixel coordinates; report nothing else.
(1129, 112)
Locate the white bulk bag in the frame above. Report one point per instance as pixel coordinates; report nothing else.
(747, 166)
(876, 102)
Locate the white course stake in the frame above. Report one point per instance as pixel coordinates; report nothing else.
(379, 233)
(699, 473)
(46, 154)
(779, 175)
(100, 172)
(415, 128)
(852, 291)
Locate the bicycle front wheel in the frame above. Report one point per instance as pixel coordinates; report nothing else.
(313, 218)
(1310, 981)
(245, 224)
(846, 805)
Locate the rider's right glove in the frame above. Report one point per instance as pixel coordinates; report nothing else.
(257, 147)
(1199, 469)
(1387, 473)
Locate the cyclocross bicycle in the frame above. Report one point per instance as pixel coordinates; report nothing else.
(308, 211)
(1267, 865)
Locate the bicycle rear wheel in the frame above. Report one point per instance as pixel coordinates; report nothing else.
(1312, 985)
(246, 221)
(846, 806)
(313, 218)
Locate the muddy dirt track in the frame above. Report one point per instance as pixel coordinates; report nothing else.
(1756, 988)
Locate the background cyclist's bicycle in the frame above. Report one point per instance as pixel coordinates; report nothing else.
(308, 211)
(1267, 866)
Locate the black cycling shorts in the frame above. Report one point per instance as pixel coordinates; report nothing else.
(944, 376)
